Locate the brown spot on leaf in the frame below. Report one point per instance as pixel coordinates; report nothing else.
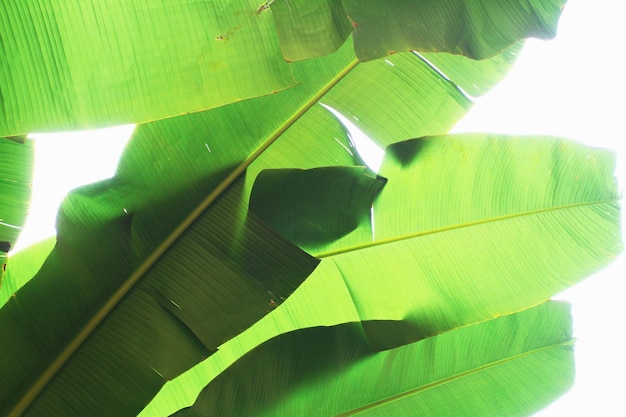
(226, 36)
(264, 6)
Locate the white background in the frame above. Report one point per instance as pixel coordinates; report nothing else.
(572, 86)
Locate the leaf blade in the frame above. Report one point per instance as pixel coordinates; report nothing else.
(190, 157)
(71, 66)
(481, 239)
(335, 364)
(330, 202)
(153, 318)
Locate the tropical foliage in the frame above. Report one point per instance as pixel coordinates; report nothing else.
(244, 255)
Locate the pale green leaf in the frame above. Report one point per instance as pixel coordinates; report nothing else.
(512, 366)
(473, 77)
(78, 65)
(451, 270)
(67, 66)
(177, 209)
(485, 225)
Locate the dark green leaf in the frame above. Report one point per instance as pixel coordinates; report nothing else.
(228, 275)
(317, 206)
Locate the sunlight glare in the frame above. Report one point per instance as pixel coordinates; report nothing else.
(64, 161)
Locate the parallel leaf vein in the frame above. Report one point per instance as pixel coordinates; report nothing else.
(127, 285)
(456, 226)
(451, 378)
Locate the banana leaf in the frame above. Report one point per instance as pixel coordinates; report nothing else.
(476, 28)
(16, 174)
(151, 333)
(512, 366)
(447, 201)
(70, 65)
(119, 239)
(104, 318)
(465, 232)
(490, 225)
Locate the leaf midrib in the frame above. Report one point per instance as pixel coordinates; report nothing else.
(33, 391)
(443, 381)
(457, 226)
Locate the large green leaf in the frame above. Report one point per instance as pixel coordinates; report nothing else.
(228, 275)
(65, 316)
(77, 65)
(512, 366)
(16, 173)
(490, 224)
(175, 208)
(484, 224)
(479, 234)
(466, 254)
(475, 28)
(68, 66)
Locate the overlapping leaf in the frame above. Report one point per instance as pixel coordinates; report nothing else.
(68, 66)
(467, 232)
(227, 275)
(116, 244)
(476, 28)
(477, 232)
(106, 295)
(484, 225)
(513, 365)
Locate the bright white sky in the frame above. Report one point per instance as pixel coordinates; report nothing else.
(571, 86)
